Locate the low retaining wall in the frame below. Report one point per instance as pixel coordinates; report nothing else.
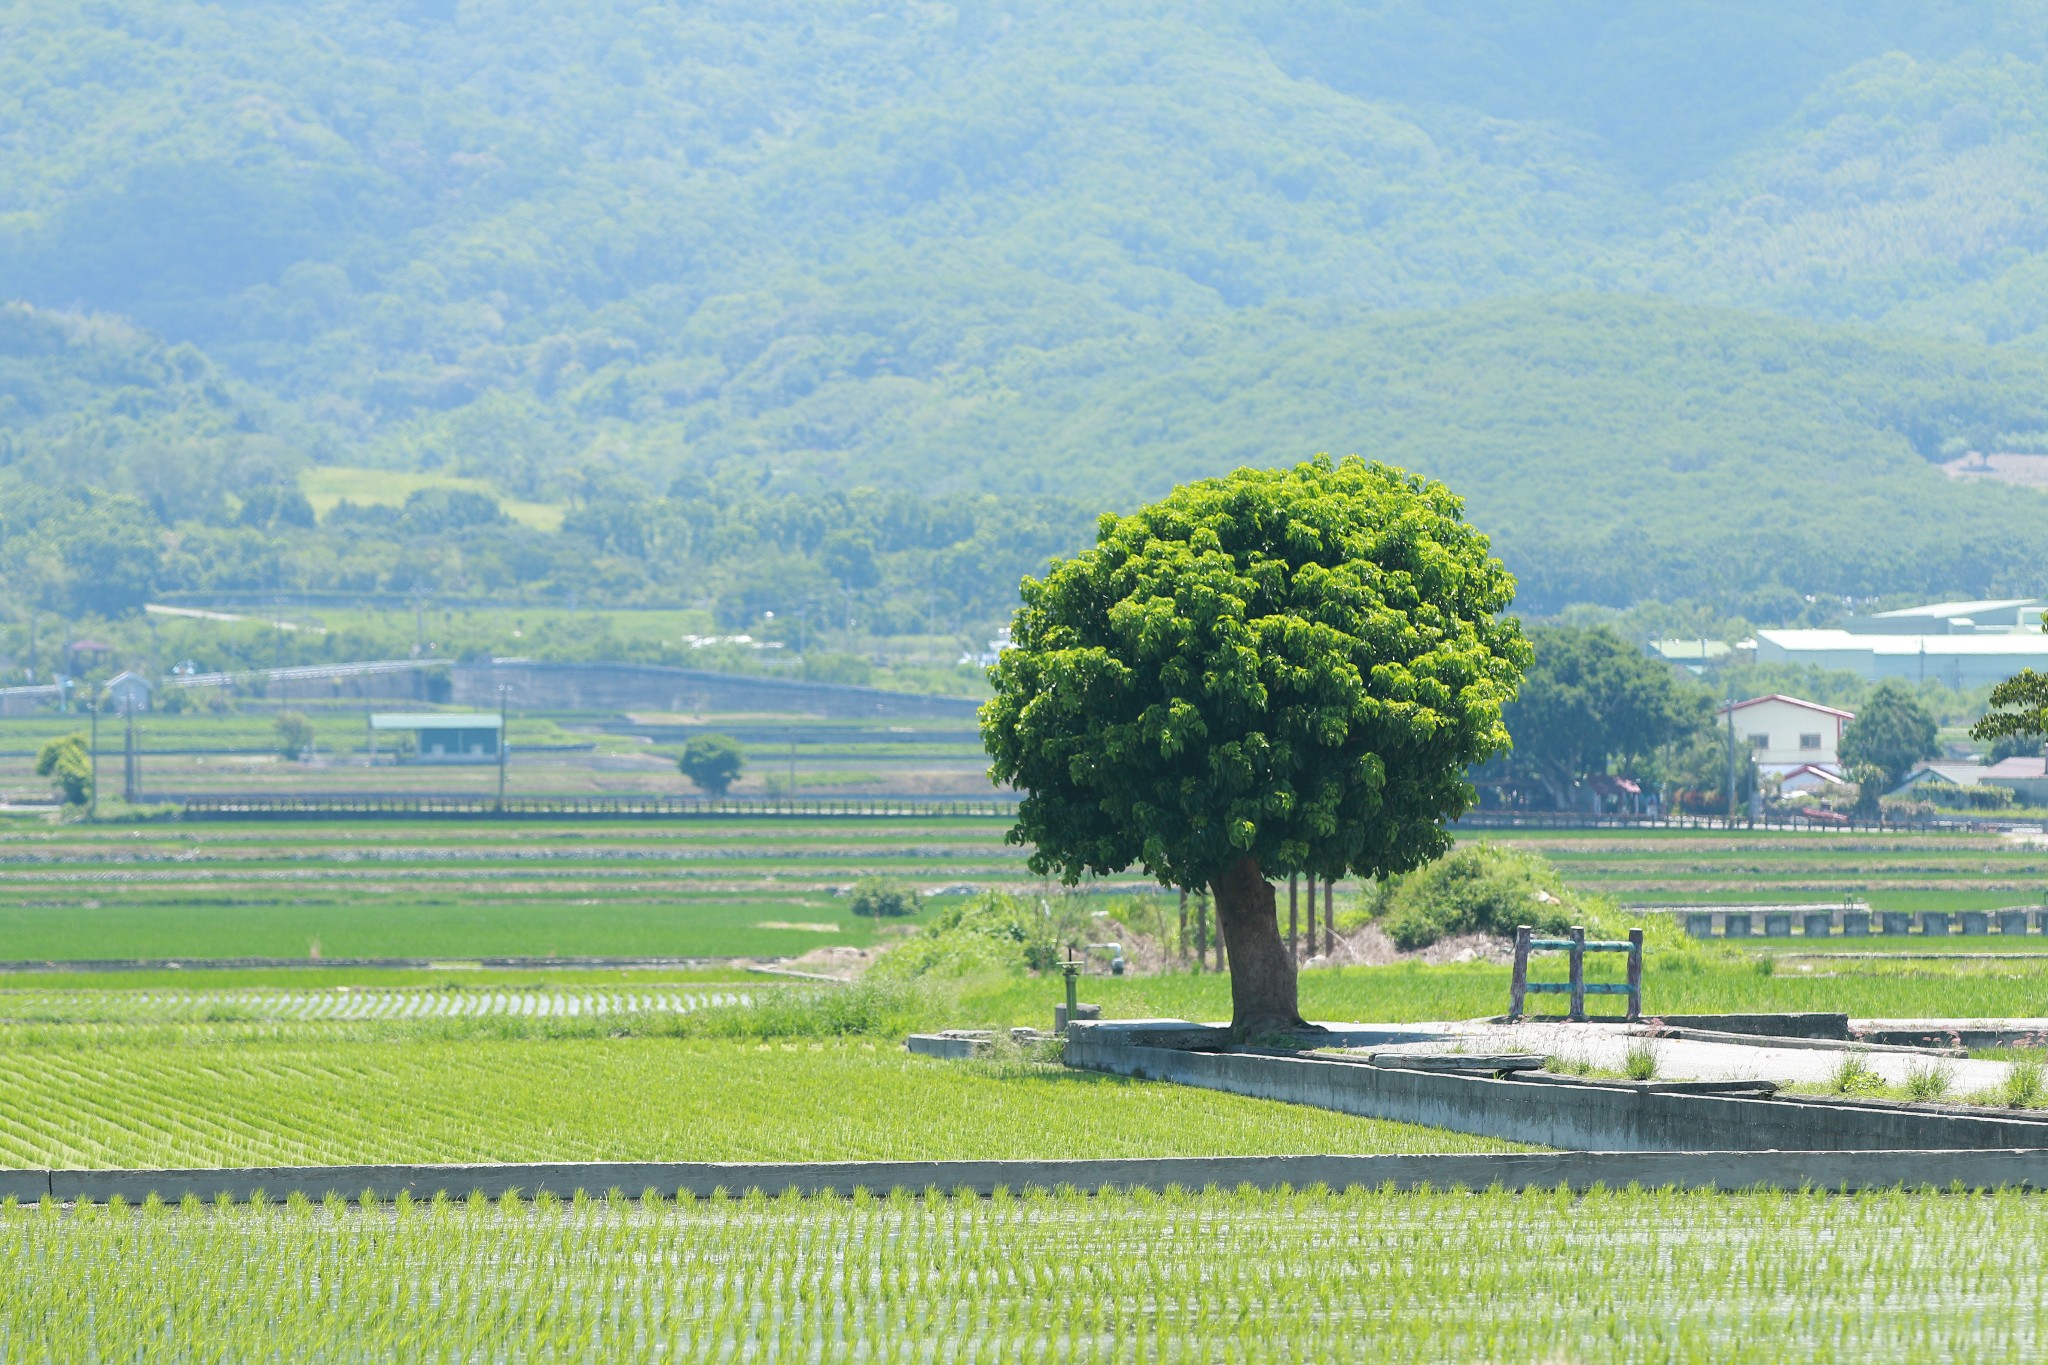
(2020, 1168)
(1581, 1117)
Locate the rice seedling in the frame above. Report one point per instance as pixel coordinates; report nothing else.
(203, 1096)
(1180, 1276)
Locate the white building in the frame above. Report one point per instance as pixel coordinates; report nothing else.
(1959, 660)
(1785, 733)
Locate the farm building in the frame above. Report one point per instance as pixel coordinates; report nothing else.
(2027, 778)
(1784, 733)
(128, 692)
(471, 737)
(1964, 644)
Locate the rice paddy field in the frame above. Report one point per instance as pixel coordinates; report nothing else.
(566, 754)
(235, 1095)
(329, 1064)
(1185, 1276)
(463, 890)
(1889, 870)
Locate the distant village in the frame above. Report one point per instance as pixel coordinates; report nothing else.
(1795, 744)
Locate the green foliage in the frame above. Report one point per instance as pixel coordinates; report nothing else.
(884, 898)
(294, 734)
(1289, 666)
(993, 933)
(1892, 732)
(2020, 719)
(1477, 888)
(713, 762)
(1590, 697)
(982, 249)
(67, 762)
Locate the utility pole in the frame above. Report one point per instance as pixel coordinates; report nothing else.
(277, 653)
(128, 749)
(502, 690)
(92, 801)
(1730, 713)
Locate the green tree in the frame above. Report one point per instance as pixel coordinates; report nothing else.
(1892, 731)
(1274, 672)
(294, 734)
(713, 762)
(881, 898)
(67, 762)
(2019, 716)
(1590, 697)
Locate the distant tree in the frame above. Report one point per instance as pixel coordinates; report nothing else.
(270, 506)
(294, 734)
(1892, 731)
(434, 511)
(1274, 672)
(880, 898)
(2019, 716)
(2013, 746)
(67, 762)
(1590, 697)
(849, 557)
(713, 762)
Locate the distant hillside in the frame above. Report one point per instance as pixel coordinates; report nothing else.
(717, 260)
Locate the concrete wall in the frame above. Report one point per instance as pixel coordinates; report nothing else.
(700, 1179)
(654, 687)
(1587, 1117)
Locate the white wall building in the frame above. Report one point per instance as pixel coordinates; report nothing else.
(1782, 733)
(1959, 660)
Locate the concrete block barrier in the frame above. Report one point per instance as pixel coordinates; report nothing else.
(2024, 1168)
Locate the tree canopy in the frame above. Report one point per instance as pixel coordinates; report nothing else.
(1590, 697)
(1891, 733)
(713, 762)
(661, 269)
(1273, 672)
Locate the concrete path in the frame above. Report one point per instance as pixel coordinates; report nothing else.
(1606, 1046)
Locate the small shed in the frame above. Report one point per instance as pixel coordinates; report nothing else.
(128, 692)
(454, 737)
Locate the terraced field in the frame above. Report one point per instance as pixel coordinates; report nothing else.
(1702, 867)
(681, 888)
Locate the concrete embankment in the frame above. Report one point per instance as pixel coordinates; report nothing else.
(1589, 1116)
(1513, 1170)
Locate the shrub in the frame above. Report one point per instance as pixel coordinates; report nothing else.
(1481, 888)
(67, 762)
(880, 898)
(989, 934)
(713, 762)
(294, 734)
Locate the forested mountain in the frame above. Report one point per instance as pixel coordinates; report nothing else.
(1686, 298)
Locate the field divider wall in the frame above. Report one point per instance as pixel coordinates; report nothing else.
(1585, 1117)
(2025, 1168)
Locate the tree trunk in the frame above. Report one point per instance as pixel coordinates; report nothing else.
(1263, 1000)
